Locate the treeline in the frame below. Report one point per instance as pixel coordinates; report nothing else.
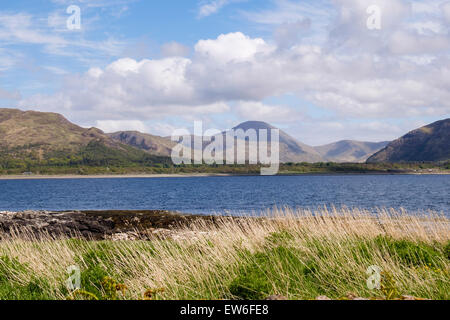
(97, 158)
(366, 167)
(95, 155)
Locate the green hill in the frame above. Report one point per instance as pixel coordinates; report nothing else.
(37, 139)
(429, 144)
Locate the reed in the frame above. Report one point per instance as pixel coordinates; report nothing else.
(299, 254)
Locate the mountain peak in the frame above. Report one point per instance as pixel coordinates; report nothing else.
(291, 150)
(257, 125)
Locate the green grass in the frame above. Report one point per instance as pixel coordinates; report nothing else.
(275, 269)
(34, 289)
(299, 258)
(292, 272)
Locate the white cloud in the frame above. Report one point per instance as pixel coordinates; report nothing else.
(403, 43)
(425, 7)
(7, 59)
(21, 28)
(320, 132)
(253, 110)
(399, 72)
(111, 126)
(235, 67)
(174, 49)
(232, 47)
(425, 27)
(56, 70)
(288, 34)
(286, 11)
(54, 38)
(446, 11)
(162, 129)
(94, 3)
(126, 90)
(9, 95)
(210, 7)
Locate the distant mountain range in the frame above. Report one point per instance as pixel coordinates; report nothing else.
(45, 135)
(291, 150)
(350, 151)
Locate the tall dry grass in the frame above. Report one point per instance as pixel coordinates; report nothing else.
(300, 254)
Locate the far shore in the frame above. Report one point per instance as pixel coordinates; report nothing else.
(109, 176)
(194, 175)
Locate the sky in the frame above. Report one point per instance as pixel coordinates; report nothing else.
(321, 70)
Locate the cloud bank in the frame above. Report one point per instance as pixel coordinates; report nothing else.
(401, 71)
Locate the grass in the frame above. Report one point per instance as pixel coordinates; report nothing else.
(299, 255)
(96, 159)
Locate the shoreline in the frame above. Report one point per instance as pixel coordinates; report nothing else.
(201, 175)
(100, 225)
(109, 176)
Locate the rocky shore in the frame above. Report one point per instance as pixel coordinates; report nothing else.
(96, 225)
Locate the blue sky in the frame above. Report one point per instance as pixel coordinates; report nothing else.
(313, 68)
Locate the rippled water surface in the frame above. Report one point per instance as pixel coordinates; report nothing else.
(229, 194)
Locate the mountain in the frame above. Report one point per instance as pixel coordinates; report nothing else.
(42, 132)
(43, 138)
(291, 150)
(350, 151)
(429, 143)
(147, 142)
(30, 136)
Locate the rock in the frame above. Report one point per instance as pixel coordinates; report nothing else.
(98, 225)
(132, 236)
(119, 237)
(323, 298)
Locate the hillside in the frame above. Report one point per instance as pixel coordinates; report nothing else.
(42, 132)
(429, 143)
(350, 151)
(147, 142)
(30, 138)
